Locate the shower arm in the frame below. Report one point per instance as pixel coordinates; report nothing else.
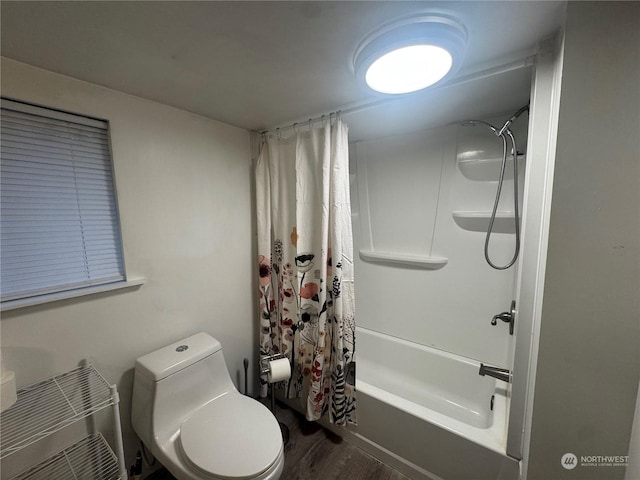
(505, 127)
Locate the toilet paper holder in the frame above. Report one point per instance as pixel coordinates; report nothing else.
(264, 362)
(265, 369)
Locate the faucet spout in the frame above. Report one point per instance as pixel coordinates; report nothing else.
(502, 374)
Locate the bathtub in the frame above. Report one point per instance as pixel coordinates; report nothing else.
(428, 412)
(433, 386)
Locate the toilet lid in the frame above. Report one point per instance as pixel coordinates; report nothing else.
(231, 437)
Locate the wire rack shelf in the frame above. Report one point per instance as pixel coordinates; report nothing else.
(49, 406)
(91, 458)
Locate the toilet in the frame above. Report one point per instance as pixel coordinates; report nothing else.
(188, 413)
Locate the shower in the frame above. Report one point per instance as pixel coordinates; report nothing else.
(504, 132)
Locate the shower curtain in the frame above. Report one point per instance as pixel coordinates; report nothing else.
(305, 260)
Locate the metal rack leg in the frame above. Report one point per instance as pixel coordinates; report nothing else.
(122, 467)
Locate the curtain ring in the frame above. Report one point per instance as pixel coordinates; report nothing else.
(310, 122)
(278, 134)
(323, 119)
(295, 127)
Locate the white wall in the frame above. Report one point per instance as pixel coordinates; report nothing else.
(184, 193)
(408, 187)
(589, 349)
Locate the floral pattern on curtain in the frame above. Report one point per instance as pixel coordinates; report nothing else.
(305, 257)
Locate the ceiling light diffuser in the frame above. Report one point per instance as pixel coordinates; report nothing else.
(408, 69)
(410, 54)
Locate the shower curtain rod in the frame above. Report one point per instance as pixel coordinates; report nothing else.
(526, 62)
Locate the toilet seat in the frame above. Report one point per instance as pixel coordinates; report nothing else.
(232, 437)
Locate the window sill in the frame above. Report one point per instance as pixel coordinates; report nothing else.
(80, 292)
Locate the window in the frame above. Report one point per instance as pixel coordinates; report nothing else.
(58, 215)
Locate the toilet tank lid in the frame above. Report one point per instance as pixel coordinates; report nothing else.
(177, 356)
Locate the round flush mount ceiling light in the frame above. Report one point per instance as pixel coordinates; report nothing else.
(410, 54)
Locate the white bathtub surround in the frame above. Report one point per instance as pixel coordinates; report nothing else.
(420, 401)
(429, 451)
(305, 259)
(423, 406)
(432, 384)
(419, 228)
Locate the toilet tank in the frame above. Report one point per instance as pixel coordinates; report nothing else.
(173, 382)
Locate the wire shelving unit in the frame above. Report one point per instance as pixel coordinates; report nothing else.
(47, 407)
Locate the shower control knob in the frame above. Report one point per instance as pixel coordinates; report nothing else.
(504, 316)
(507, 317)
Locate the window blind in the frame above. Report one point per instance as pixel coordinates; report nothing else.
(59, 225)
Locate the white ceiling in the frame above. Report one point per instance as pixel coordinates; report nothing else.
(262, 64)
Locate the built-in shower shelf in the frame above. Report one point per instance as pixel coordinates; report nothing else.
(401, 259)
(479, 221)
(487, 169)
(90, 458)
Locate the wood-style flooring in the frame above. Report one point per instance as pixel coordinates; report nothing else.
(314, 453)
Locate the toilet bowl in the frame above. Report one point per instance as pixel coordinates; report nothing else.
(189, 414)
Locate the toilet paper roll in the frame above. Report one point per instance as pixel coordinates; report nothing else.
(279, 370)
